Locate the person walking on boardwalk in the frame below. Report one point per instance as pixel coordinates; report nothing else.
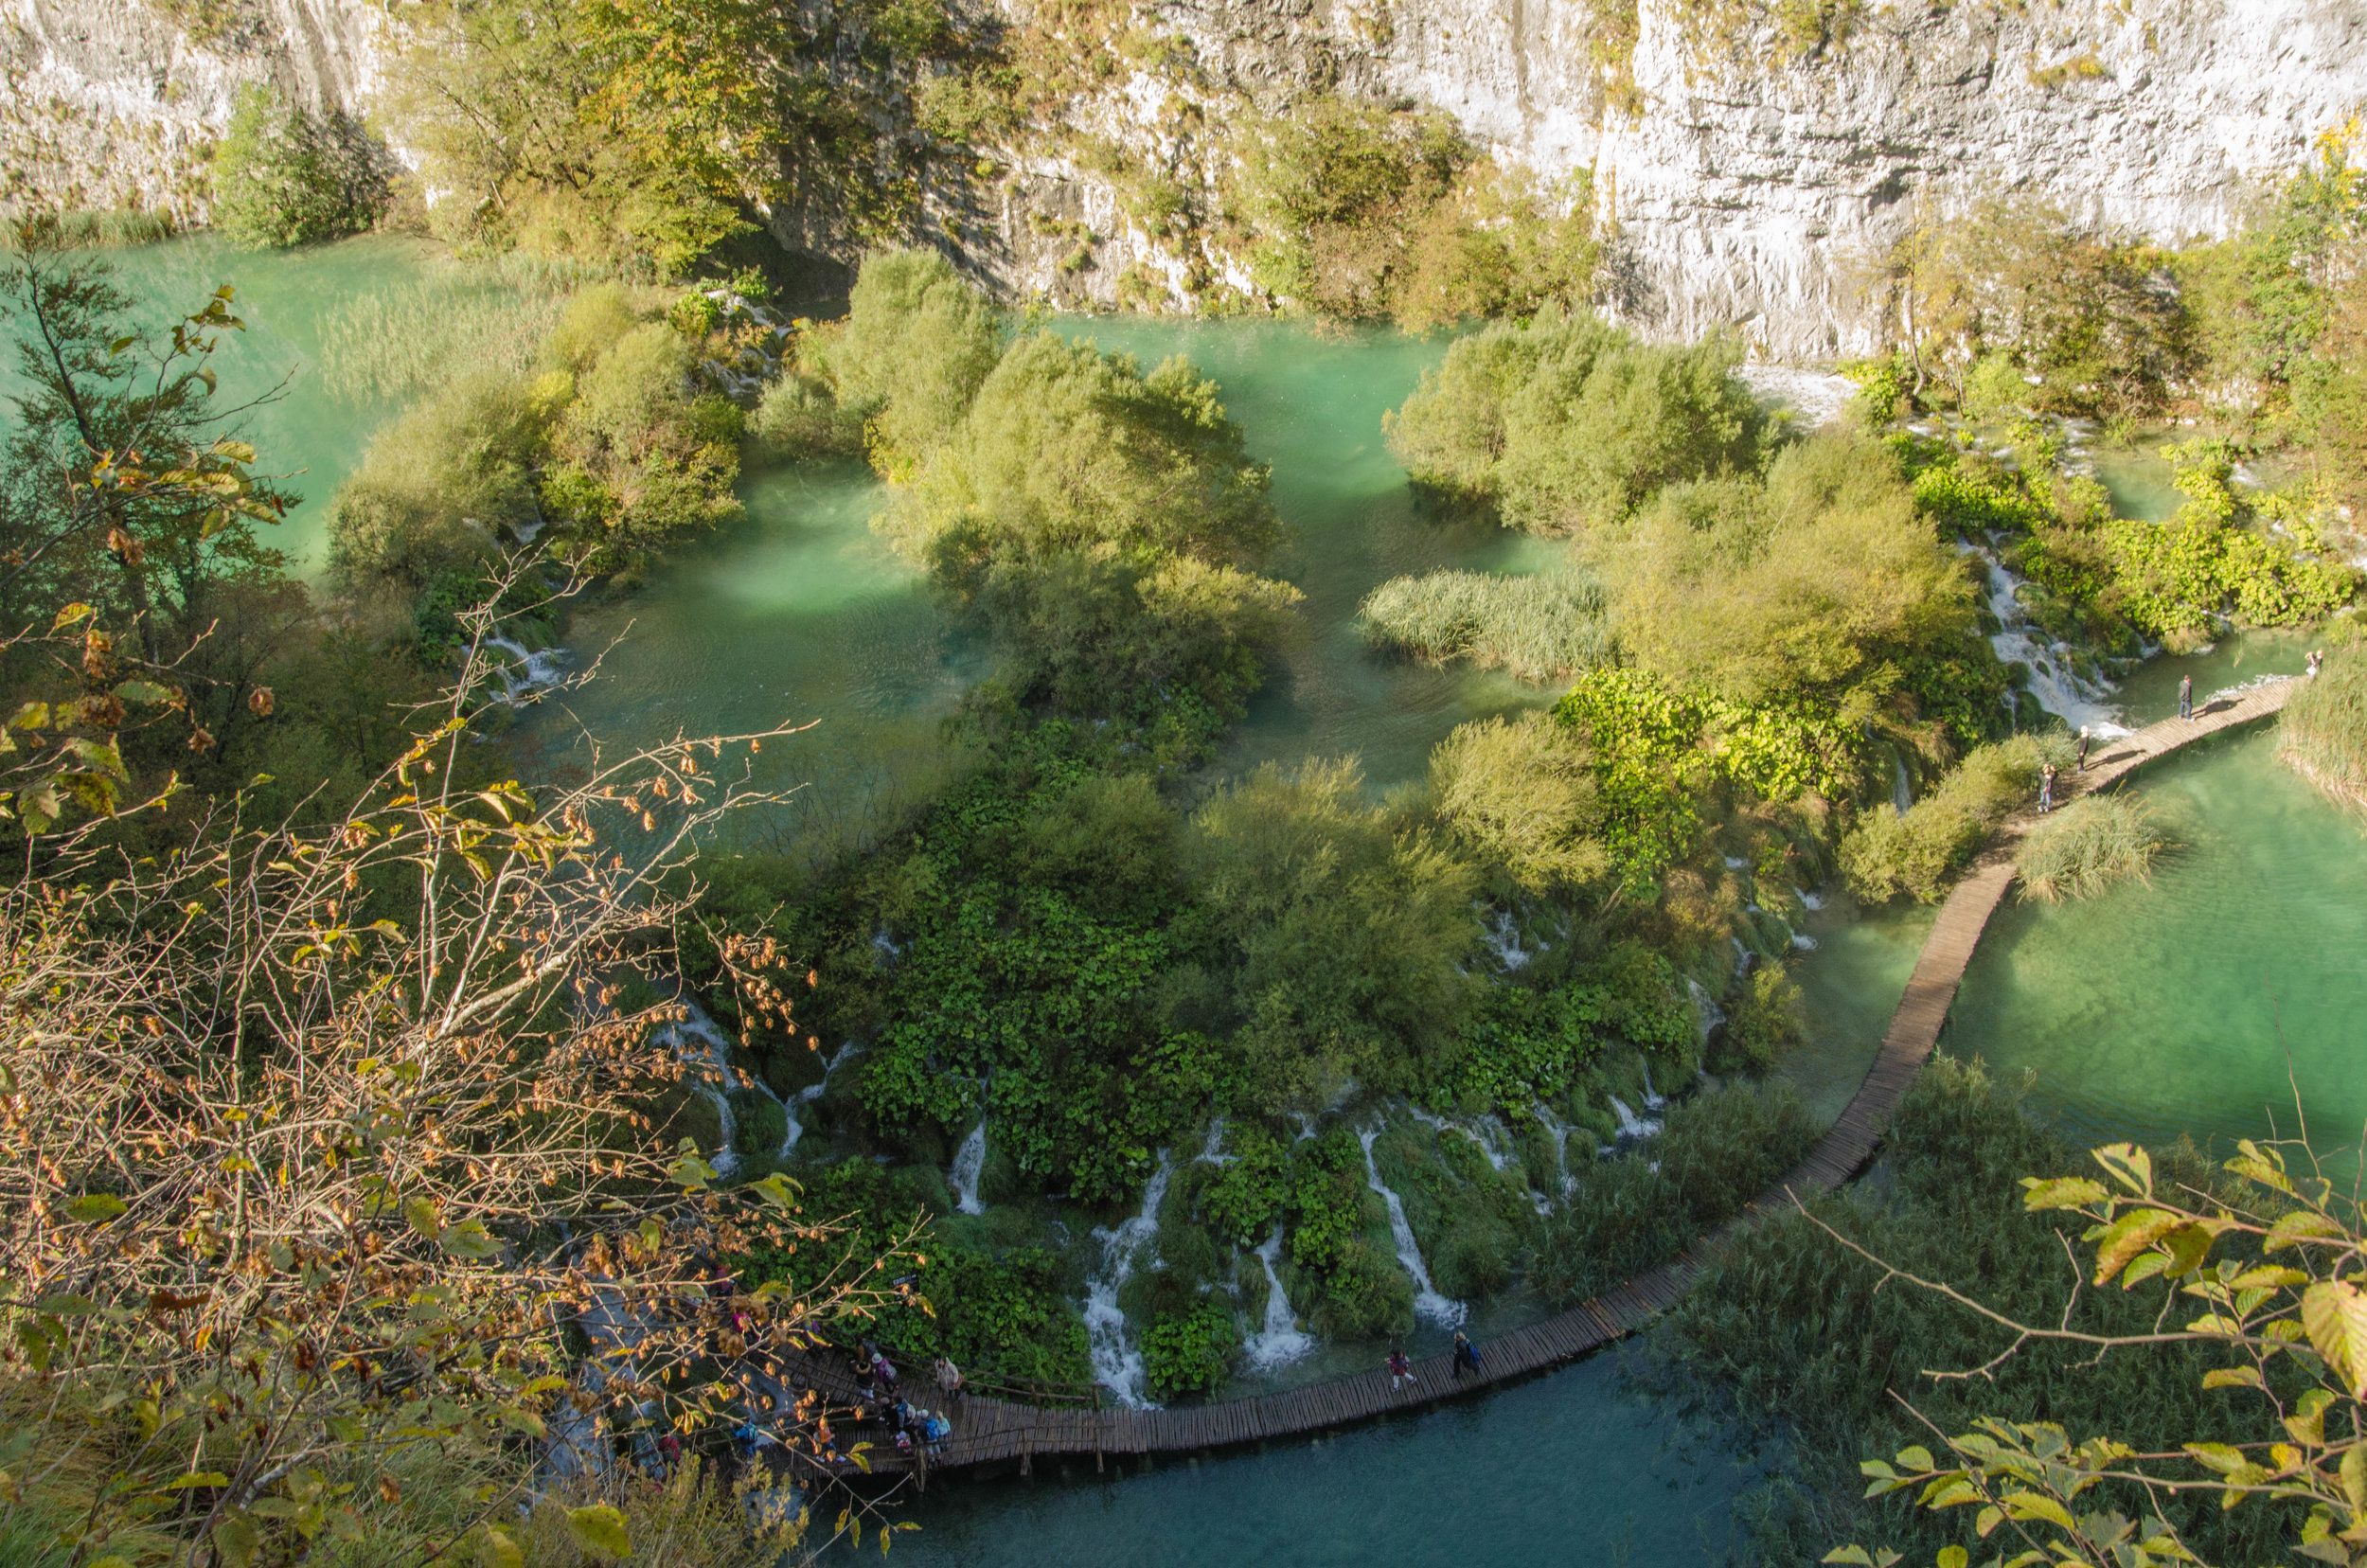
(1466, 1356)
(2083, 748)
(1401, 1369)
(2313, 664)
(2185, 696)
(2046, 789)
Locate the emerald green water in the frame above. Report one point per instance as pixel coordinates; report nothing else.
(299, 427)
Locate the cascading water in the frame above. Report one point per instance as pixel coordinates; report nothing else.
(1559, 1131)
(1902, 793)
(699, 1036)
(1652, 1100)
(968, 1161)
(1427, 1301)
(1278, 1341)
(1118, 1364)
(807, 1095)
(1708, 1015)
(532, 671)
(1632, 1127)
(2055, 686)
(1503, 940)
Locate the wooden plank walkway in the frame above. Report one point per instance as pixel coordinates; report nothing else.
(992, 1431)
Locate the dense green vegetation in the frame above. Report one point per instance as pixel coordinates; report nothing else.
(1565, 422)
(1788, 1328)
(1919, 852)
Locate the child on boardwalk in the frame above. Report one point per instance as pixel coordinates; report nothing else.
(2046, 789)
(1401, 1369)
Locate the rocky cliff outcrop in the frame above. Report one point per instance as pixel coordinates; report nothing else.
(1750, 172)
(115, 104)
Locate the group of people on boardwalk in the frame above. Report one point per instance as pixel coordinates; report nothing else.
(1465, 1359)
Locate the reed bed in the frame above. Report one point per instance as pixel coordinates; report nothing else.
(2323, 735)
(2088, 846)
(397, 343)
(1539, 628)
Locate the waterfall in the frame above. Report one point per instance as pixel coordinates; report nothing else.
(1651, 1101)
(1503, 938)
(533, 672)
(807, 1095)
(1214, 1152)
(1707, 1014)
(1427, 1301)
(1902, 793)
(1630, 1124)
(1278, 1341)
(2058, 687)
(1560, 1131)
(1807, 901)
(1118, 1364)
(968, 1161)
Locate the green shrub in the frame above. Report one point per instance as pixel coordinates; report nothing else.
(434, 489)
(1248, 1194)
(646, 459)
(1350, 931)
(1521, 793)
(286, 176)
(1920, 851)
(759, 1123)
(1818, 581)
(2322, 734)
(2079, 851)
(917, 345)
(1190, 1352)
(1537, 628)
(1765, 1020)
(800, 415)
(1566, 422)
(1356, 211)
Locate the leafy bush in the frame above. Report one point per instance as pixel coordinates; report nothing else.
(1349, 931)
(2079, 851)
(2323, 733)
(646, 459)
(1522, 793)
(1191, 1351)
(2216, 557)
(1566, 422)
(1249, 1193)
(434, 488)
(1765, 1020)
(1816, 581)
(1537, 628)
(286, 176)
(1656, 752)
(917, 345)
(1920, 851)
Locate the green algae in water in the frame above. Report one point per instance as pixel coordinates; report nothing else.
(1567, 1469)
(2156, 1011)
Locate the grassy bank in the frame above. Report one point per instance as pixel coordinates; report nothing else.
(1537, 628)
(2323, 735)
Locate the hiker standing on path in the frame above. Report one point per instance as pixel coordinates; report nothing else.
(2316, 662)
(2083, 748)
(2046, 789)
(2185, 696)
(1466, 1356)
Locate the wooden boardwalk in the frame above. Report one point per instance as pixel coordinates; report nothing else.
(990, 1432)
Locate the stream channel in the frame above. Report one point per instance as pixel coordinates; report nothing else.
(2151, 1012)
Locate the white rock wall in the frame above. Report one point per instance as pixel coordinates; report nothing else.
(1745, 188)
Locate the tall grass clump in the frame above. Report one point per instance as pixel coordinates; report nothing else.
(2087, 846)
(1537, 628)
(2323, 735)
(1637, 1210)
(1920, 851)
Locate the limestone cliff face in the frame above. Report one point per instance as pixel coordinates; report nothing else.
(117, 103)
(1746, 178)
